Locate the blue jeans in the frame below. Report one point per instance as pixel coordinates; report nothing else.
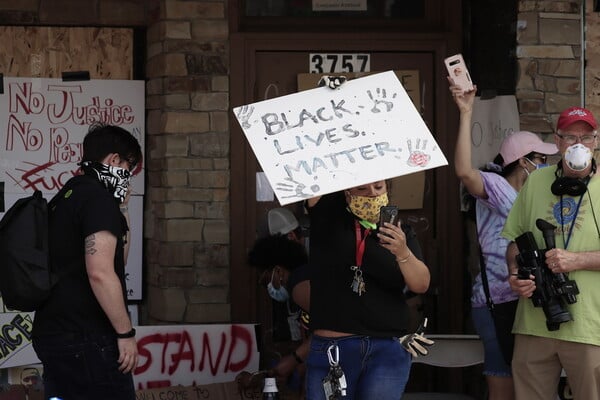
(83, 367)
(493, 364)
(375, 368)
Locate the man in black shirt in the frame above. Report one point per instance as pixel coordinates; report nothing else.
(83, 334)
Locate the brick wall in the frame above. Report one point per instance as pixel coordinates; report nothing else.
(549, 52)
(592, 55)
(187, 209)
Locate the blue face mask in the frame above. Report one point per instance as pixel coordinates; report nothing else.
(281, 295)
(278, 294)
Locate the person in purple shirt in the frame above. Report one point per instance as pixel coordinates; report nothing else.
(495, 190)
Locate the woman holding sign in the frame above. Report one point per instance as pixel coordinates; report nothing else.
(495, 190)
(358, 307)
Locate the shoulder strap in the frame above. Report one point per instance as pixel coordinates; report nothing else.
(484, 281)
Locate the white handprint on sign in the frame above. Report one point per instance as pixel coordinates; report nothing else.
(380, 98)
(243, 114)
(297, 188)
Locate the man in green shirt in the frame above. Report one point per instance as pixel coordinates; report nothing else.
(564, 196)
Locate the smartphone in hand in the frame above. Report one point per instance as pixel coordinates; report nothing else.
(389, 214)
(458, 72)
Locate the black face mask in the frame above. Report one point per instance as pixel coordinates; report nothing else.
(564, 185)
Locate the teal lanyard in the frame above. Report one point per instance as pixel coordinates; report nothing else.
(566, 242)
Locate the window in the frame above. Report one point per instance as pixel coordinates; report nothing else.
(338, 15)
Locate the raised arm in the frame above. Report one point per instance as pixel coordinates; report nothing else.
(469, 176)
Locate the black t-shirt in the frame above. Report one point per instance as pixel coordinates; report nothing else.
(87, 207)
(297, 275)
(381, 310)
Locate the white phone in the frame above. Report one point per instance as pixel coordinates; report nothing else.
(457, 70)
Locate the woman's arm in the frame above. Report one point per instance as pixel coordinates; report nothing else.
(415, 272)
(469, 176)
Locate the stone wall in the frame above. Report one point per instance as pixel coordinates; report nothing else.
(549, 52)
(187, 207)
(592, 55)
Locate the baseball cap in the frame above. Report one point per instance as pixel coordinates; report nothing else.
(278, 221)
(521, 143)
(574, 114)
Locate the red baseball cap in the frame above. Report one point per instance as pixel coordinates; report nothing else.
(574, 114)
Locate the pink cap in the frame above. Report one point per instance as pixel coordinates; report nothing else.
(574, 114)
(519, 144)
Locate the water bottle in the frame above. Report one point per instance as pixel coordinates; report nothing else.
(270, 391)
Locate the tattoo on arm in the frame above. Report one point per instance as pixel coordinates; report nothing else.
(90, 244)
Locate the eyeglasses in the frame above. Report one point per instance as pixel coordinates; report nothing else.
(572, 139)
(540, 157)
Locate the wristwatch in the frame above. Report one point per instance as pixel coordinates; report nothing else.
(126, 335)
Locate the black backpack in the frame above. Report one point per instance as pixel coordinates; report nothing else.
(26, 277)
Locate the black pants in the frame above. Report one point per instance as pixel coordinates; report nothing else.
(83, 367)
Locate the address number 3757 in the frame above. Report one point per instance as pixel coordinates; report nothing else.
(323, 63)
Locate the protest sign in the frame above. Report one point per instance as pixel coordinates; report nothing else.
(43, 123)
(194, 354)
(493, 120)
(321, 140)
(15, 339)
(214, 391)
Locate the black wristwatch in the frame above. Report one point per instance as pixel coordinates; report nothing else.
(127, 335)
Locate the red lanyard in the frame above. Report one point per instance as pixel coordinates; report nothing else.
(360, 243)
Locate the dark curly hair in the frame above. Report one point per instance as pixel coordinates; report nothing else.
(277, 250)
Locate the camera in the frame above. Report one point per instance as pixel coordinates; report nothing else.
(552, 290)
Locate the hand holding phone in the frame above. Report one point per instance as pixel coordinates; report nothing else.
(457, 70)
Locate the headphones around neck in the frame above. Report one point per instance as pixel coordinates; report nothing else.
(564, 185)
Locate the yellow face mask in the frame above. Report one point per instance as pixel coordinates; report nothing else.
(366, 207)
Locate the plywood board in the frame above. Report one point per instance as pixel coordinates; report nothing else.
(107, 53)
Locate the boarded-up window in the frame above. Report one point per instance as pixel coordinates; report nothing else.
(107, 53)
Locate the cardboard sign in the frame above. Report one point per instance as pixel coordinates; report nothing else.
(194, 354)
(409, 78)
(15, 337)
(321, 140)
(493, 120)
(43, 123)
(215, 391)
(406, 192)
(169, 355)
